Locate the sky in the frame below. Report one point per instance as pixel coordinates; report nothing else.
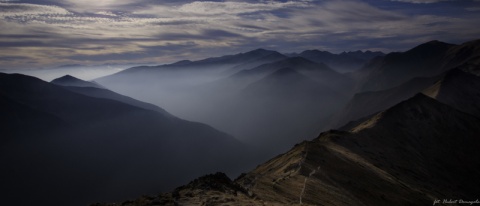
(50, 33)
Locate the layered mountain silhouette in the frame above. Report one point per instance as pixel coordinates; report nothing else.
(249, 86)
(317, 71)
(74, 145)
(412, 137)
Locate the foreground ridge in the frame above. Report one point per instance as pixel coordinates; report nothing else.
(414, 153)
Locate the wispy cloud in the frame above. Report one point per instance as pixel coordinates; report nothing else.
(147, 31)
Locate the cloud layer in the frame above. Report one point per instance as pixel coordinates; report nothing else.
(48, 33)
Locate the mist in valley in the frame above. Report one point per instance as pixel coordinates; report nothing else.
(269, 103)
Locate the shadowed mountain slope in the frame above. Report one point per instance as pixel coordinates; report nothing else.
(458, 89)
(98, 91)
(454, 87)
(429, 59)
(21, 121)
(72, 149)
(368, 103)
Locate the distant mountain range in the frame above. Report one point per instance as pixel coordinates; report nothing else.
(343, 62)
(411, 139)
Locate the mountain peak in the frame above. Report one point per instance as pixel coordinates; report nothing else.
(66, 77)
(260, 52)
(69, 80)
(314, 52)
(431, 46)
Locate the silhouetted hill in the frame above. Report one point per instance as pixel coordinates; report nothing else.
(68, 80)
(94, 89)
(71, 149)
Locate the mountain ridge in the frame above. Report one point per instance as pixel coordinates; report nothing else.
(69, 80)
(369, 165)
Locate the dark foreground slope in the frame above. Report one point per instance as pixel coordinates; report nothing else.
(64, 148)
(415, 152)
